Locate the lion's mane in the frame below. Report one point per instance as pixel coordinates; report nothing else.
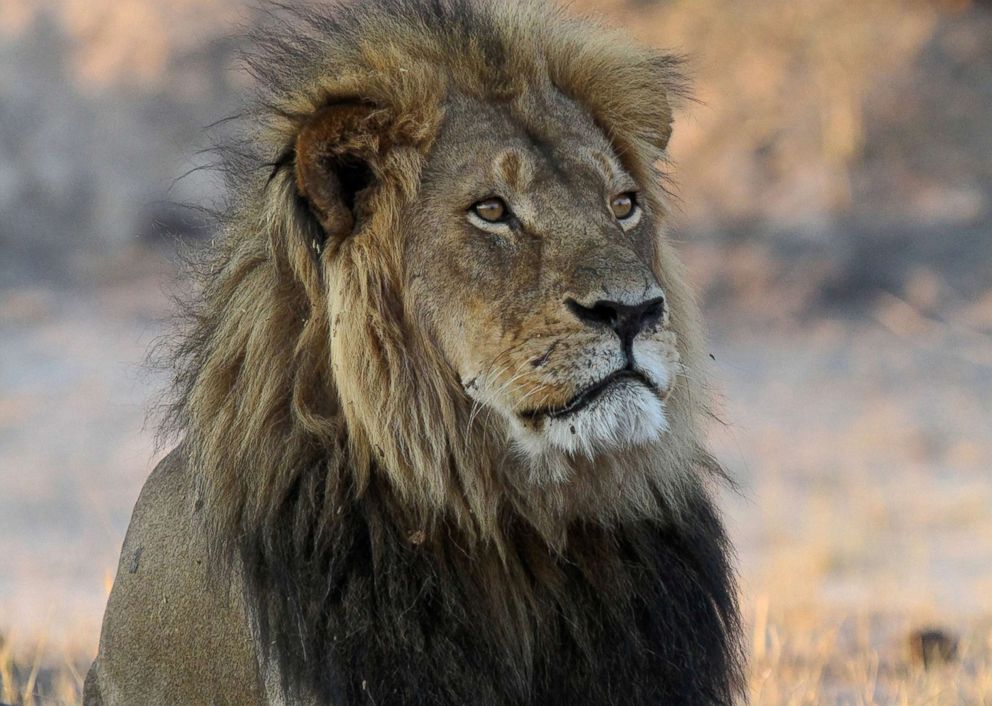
(380, 545)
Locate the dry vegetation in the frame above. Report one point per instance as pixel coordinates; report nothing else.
(837, 215)
(802, 659)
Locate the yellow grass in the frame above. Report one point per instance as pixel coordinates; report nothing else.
(807, 659)
(30, 675)
(798, 658)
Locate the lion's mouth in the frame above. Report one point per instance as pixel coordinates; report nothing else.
(590, 394)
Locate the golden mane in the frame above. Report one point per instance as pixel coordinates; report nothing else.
(275, 396)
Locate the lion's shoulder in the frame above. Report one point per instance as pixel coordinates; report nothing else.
(167, 611)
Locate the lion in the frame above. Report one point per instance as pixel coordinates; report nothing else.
(439, 396)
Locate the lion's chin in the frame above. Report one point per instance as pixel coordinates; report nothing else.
(627, 414)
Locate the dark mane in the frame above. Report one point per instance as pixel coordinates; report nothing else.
(369, 614)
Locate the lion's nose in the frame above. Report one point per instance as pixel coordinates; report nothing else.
(627, 320)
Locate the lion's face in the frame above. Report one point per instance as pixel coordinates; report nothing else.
(530, 258)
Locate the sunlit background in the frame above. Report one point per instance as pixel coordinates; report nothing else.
(834, 183)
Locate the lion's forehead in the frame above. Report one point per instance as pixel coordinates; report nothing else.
(523, 144)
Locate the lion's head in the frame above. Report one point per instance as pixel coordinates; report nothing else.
(452, 278)
(530, 257)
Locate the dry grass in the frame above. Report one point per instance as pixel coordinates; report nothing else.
(33, 676)
(804, 659)
(798, 658)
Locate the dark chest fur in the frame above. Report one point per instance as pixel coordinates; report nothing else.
(361, 615)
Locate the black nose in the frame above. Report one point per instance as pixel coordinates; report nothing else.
(627, 320)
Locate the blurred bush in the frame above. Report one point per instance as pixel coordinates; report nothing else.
(104, 105)
(857, 130)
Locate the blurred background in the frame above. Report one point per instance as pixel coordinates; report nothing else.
(834, 182)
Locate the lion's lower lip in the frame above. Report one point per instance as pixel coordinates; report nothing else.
(588, 395)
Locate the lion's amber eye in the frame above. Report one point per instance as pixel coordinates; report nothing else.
(623, 205)
(491, 210)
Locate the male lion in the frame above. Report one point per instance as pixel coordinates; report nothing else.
(440, 396)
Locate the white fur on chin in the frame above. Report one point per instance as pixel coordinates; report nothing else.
(627, 414)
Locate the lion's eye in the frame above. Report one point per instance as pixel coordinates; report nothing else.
(623, 205)
(492, 210)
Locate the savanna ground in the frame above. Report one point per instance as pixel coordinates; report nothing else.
(836, 210)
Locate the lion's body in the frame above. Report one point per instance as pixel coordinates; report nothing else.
(176, 632)
(426, 457)
(167, 618)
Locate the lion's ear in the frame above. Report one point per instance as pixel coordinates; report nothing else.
(335, 153)
(630, 91)
(672, 86)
